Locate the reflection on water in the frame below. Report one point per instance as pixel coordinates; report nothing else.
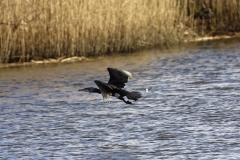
(192, 109)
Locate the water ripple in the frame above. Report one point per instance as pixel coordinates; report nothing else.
(191, 109)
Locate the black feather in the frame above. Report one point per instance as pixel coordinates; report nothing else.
(117, 77)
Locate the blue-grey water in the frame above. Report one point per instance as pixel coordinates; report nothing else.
(191, 109)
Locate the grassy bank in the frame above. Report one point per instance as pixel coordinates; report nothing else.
(43, 29)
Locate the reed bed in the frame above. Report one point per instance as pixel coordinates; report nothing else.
(226, 19)
(40, 29)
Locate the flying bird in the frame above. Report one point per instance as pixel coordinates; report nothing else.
(115, 86)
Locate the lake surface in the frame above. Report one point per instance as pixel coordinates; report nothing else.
(191, 109)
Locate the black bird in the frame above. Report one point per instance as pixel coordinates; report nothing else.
(115, 86)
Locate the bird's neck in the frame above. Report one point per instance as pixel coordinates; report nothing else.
(95, 90)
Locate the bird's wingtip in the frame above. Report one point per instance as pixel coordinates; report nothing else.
(128, 73)
(124, 71)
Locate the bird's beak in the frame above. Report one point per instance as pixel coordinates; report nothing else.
(81, 90)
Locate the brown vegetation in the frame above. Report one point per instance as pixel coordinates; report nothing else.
(225, 19)
(36, 30)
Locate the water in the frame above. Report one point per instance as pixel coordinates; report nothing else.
(191, 111)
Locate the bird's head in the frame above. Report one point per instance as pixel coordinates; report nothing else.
(85, 89)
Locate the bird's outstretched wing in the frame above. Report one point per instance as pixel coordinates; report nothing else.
(118, 77)
(106, 90)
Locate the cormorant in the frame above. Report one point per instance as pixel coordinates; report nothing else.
(115, 86)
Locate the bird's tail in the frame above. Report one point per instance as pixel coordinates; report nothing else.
(134, 95)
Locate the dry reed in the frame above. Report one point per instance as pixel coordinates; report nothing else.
(226, 17)
(38, 29)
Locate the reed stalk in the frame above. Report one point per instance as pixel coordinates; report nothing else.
(39, 29)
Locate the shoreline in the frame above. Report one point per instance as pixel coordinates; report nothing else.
(82, 58)
(45, 61)
(209, 38)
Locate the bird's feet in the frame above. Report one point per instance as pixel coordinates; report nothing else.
(127, 102)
